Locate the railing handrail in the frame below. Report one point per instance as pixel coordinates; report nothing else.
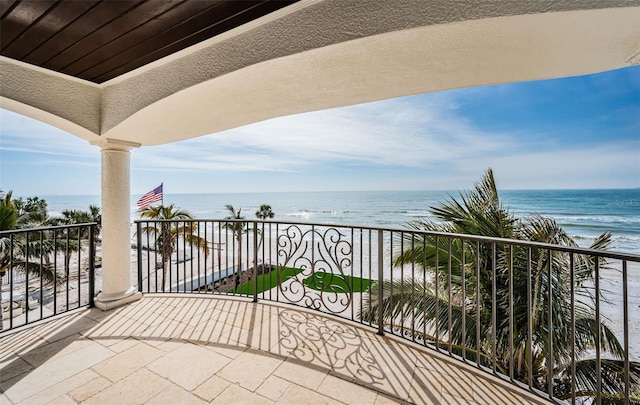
(488, 239)
(47, 228)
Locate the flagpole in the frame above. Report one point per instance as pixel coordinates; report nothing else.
(162, 187)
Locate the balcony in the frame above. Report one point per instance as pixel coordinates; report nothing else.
(173, 348)
(299, 323)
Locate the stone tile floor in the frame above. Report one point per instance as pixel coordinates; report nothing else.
(194, 350)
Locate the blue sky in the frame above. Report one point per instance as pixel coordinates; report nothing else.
(580, 132)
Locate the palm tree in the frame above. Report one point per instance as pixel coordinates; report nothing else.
(70, 237)
(16, 253)
(238, 228)
(265, 212)
(8, 212)
(167, 234)
(32, 212)
(95, 215)
(8, 221)
(480, 212)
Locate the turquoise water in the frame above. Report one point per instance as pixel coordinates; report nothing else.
(584, 214)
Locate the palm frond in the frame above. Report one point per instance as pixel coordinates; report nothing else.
(480, 213)
(611, 379)
(532, 288)
(37, 270)
(414, 306)
(586, 335)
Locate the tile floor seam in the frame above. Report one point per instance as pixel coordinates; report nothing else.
(222, 378)
(360, 384)
(205, 345)
(279, 396)
(92, 368)
(333, 401)
(88, 398)
(265, 397)
(192, 392)
(16, 376)
(34, 394)
(157, 375)
(90, 381)
(334, 398)
(19, 356)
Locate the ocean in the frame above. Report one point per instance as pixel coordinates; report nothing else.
(584, 214)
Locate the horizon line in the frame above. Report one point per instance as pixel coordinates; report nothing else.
(337, 191)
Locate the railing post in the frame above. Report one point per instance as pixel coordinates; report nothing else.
(92, 264)
(255, 262)
(11, 286)
(139, 253)
(625, 311)
(380, 283)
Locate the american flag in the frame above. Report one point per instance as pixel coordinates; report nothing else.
(151, 197)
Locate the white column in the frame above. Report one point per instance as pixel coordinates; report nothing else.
(116, 226)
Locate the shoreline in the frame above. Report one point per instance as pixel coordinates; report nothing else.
(583, 213)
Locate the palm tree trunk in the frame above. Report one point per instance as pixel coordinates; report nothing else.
(1, 311)
(164, 274)
(167, 251)
(67, 263)
(239, 269)
(535, 294)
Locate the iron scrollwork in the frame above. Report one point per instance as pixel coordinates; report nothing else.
(318, 260)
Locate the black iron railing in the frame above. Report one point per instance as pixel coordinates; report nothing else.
(559, 321)
(45, 272)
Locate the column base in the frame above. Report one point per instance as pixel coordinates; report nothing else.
(109, 301)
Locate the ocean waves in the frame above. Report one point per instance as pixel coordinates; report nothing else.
(584, 214)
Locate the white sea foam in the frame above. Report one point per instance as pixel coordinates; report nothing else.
(582, 213)
(607, 219)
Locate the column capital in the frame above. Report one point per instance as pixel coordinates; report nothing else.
(115, 144)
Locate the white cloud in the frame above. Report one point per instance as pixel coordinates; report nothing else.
(615, 165)
(392, 132)
(410, 143)
(22, 134)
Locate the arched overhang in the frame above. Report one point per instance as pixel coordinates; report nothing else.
(398, 63)
(63, 101)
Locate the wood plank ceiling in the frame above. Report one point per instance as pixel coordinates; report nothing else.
(98, 40)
